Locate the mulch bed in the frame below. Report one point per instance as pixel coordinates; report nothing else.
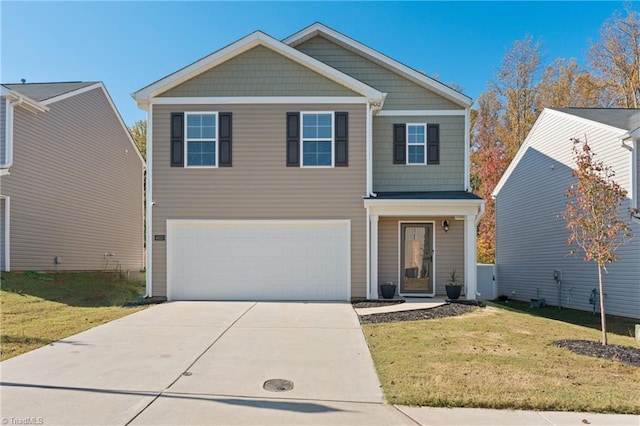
(625, 354)
(448, 310)
(375, 303)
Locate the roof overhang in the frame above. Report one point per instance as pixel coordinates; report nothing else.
(258, 38)
(527, 141)
(407, 72)
(432, 207)
(18, 99)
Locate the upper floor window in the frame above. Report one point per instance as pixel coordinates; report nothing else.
(201, 141)
(416, 143)
(317, 139)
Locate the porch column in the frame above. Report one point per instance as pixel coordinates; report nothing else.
(373, 282)
(470, 266)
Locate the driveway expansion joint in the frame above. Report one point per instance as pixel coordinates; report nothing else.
(186, 371)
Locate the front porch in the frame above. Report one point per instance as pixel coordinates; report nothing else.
(416, 240)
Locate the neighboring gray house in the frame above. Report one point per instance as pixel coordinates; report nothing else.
(313, 168)
(530, 199)
(71, 180)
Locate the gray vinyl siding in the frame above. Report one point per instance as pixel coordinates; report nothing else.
(402, 93)
(446, 176)
(259, 72)
(259, 185)
(531, 234)
(76, 188)
(3, 217)
(449, 249)
(637, 152)
(3, 123)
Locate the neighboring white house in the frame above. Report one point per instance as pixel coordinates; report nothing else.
(530, 199)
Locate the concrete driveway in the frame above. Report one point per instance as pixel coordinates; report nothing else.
(203, 363)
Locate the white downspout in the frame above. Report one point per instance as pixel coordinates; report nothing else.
(8, 132)
(368, 254)
(467, 147)
(369, 156)
(149, 202)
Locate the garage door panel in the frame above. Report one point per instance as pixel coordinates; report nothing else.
(242, 260)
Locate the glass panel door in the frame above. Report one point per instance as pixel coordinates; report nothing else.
(416, 259)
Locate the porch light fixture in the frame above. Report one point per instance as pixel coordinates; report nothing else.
(445, 225)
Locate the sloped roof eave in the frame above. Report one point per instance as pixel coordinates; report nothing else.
(405, 71)
(255, 39)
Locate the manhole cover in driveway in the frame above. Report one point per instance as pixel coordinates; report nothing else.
(278, 385)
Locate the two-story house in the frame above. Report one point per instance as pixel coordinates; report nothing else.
(312, 168)
(71, 181)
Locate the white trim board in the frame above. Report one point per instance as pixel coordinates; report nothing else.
(149, 205)
(71, 93)
(392, 64)
(254, 39)
(421, 112)
(231, 100)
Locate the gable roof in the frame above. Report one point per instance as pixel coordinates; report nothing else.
(614, 119)
(401, 69)
(254, 39)
(38, 95)
(621, 118)
(44, 91)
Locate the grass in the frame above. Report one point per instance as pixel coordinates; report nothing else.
(499, 358)
(37, 309)
(616, 325)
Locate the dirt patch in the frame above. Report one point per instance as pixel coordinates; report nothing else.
(443, 311)
(625, 354)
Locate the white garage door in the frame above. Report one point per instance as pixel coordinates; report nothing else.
(258, 260)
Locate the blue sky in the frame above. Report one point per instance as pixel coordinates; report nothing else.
(131, 44)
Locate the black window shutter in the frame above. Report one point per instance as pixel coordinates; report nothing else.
(177, 139)
(433, 144)
(342, 139)
(293, 139)
(399, 144)
(224, 139)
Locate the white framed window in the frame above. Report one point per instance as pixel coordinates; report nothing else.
(416, 143)
(317, 141)
(201, 139)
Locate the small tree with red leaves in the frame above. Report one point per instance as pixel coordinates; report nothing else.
(593, 214)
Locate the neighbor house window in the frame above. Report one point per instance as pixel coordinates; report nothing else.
(317, 139)
(201, 147)
(416, 143)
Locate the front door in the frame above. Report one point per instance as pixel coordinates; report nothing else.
(416, 259)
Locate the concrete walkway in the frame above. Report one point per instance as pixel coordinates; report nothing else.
(203, 363)
(408, 305)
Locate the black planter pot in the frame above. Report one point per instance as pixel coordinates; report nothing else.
(453, 291)
(388, 290)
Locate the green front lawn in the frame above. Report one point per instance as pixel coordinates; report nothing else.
(499, 358)
(37, 309)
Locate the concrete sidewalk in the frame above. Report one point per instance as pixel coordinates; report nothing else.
(188, 363)
(433, 416)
